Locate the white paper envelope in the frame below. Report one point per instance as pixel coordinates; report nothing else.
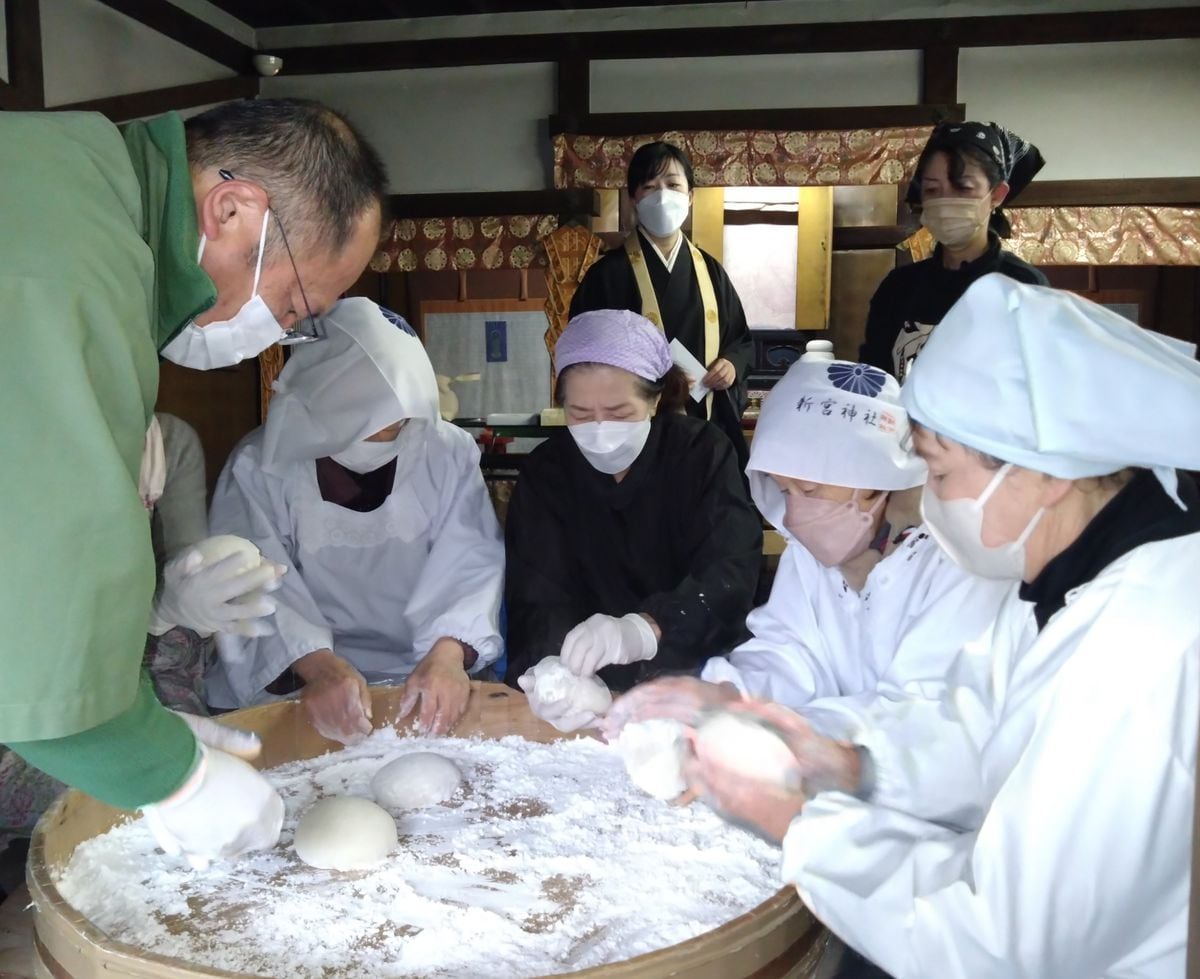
(686, 362)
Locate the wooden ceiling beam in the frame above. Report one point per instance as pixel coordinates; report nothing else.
(1168, 191)
(879, 35)
(120, 108)
(799, 120)
(188, 30)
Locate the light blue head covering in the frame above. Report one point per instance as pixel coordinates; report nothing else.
(1055, 383)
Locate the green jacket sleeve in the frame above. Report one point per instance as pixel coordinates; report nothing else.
(80, 372)
(138, 757)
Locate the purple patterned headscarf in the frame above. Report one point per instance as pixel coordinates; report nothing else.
(616, 337)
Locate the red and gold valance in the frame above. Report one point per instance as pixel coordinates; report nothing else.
(751, 158)
(1120, 235)
(460, 243)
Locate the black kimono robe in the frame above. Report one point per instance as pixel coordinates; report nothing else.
(912, 300)
(677, 539)
(610, 284)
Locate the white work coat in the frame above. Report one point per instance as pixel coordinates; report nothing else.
(1037, 820)
(377, 588)
(817, 637)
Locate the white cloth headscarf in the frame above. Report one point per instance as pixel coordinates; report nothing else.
(368, 374)
(835, 422)
(1052, 382)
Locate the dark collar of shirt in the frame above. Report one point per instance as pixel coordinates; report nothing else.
(362, 492)
(1139, 514)
(989, 261)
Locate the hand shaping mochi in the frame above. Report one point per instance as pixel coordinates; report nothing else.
(415, 780)
(553, 683)
(749, 746)
(214, 549)
(344, 833)
(654, 752)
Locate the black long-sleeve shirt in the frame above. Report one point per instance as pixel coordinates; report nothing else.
(677, 539)
(912, 300)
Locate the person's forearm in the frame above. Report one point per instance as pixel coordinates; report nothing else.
(311, 666)
(137, 758)
(455, 651)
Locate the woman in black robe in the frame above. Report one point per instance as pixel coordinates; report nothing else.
(632, 546)
(660, 183)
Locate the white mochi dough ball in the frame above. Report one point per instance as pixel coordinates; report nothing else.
(654, 752)
(553, 682)
(416, 780)
(218, 548)
(344, 833)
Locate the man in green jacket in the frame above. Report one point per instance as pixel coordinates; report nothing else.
(205, 241)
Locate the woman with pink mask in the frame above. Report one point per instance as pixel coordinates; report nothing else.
(863, 592)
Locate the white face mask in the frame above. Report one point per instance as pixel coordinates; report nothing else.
(366, 457)
(957, 525)
(663, 212)
(611, 447)
(955, 221)
(224, 343)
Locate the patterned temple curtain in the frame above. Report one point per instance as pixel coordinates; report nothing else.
(757, 158)
(511, 241)
(1125, 235)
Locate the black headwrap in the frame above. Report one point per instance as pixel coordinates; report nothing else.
(1018, 160)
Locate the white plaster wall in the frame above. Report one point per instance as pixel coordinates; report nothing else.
(776, 81)
(90, 51)
(446, 129)
(1127, 109)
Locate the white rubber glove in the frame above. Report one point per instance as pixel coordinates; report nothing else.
(218, 598)
(604, 640)
(225, 809)
(562, 712)
(243, 744)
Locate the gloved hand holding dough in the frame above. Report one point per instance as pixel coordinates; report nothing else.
(562, 698)
(217, 585)
(606, 640)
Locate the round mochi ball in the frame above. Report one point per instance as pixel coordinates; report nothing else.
(344, 833)
(654, 753)
(416, 780)
(218, 548)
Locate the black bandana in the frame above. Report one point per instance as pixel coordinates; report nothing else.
(1018, 160)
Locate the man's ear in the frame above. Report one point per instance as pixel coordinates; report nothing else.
(230, 206)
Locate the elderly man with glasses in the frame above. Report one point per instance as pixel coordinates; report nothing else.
(120, 244)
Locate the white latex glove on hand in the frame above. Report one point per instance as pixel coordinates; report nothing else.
(604, 640)
(220, 597)
(561, 712)
(243, 744)
(225, 809)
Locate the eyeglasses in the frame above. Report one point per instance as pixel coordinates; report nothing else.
(308, 328)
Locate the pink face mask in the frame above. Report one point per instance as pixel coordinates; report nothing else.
(832, 532)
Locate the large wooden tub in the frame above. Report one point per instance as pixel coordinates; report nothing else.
(779, 939)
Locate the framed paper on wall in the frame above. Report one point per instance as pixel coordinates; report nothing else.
(501, 340)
